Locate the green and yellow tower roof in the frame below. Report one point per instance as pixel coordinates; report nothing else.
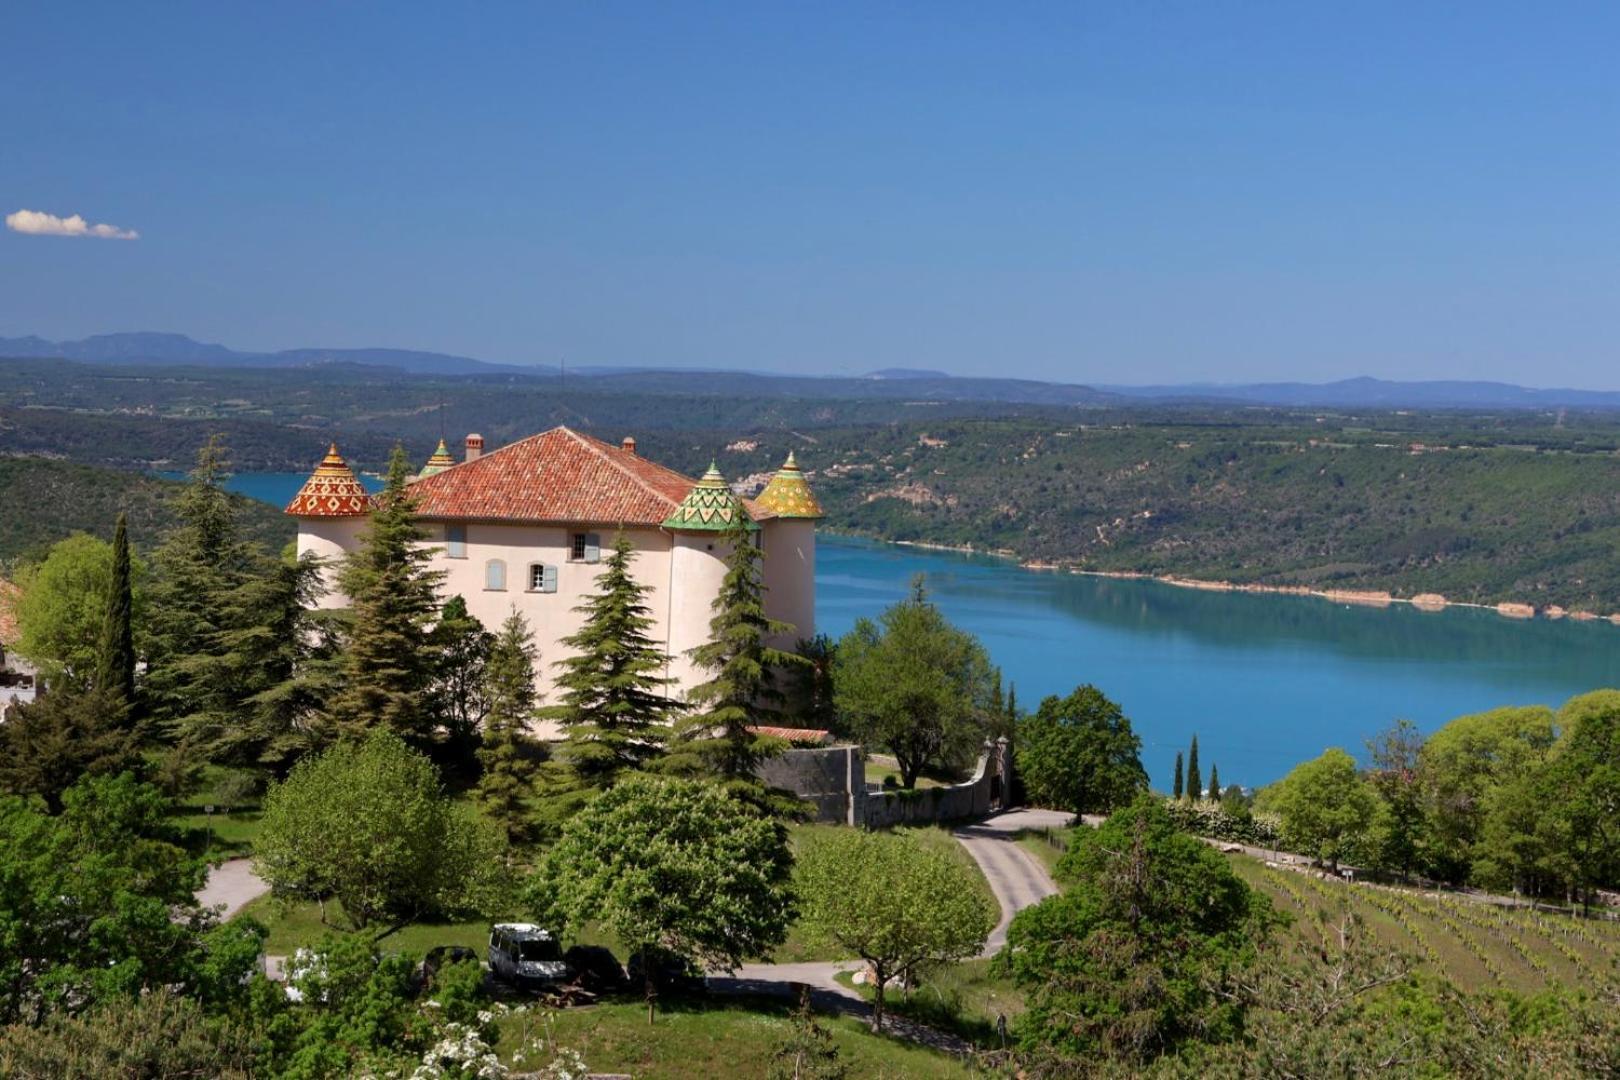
(710, 506)
(440, 461)
(788, 495)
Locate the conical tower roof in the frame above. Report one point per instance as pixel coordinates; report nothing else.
(710, 507)
(788, 495)
(332, 490)
(440, 461)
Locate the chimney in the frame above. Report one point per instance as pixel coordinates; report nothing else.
(629, 444)
(475, 447)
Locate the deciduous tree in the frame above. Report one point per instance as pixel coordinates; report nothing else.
(1079, 753)
(1328, 809)
(63, 606)
(673, 865)
(895, 904)
(366, 823)
(915, 685)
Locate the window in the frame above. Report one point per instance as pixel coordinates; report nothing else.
(542, 578)
(585, 547)
(455, 540)
(495, 575)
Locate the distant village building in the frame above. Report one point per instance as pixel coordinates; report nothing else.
(524, 527)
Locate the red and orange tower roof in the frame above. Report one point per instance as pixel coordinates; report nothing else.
(332, 490)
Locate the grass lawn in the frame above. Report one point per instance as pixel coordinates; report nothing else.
(1046, 852)
(964, 998)
(300, 924)
(725, 1037)
(226, 833)
(881, 766)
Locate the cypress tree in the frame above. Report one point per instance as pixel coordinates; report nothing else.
(509, 756)
(393, 597)
(1214, 783)
(1175, 792)
(715, 738)
(1195, 789)
(115, 661)
(1012, 706)
(613, 707)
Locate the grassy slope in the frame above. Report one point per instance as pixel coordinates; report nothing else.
(728, 1038)
(50, 499)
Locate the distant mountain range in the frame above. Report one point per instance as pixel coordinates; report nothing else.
(146, 347)
(908, 383)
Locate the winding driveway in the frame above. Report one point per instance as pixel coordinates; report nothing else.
(1016, 877)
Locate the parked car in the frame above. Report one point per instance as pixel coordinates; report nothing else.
(526, 955)
(598, 969)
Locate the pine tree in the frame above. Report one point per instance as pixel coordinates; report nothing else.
(613, 707)
(509, 756)
(48, 744)
(115, 664)
(393, 597)
(1195, 790)
(458, 696)
(1175, 792)
(808, 1051)
(717, 738)
(1214, 783)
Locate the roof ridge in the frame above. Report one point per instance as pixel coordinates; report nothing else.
(592, 443)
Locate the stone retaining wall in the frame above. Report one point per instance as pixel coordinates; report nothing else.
(833, 779)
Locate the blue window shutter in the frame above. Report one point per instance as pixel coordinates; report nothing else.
(495, 574)
(456, 540)
(593, 547)
(550, 579)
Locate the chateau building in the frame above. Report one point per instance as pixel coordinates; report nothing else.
(524, 528)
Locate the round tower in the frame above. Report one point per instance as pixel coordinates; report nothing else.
(331, 508)
(790, 551)
(702, 529)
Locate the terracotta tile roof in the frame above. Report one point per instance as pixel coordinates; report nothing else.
(814, 736)
(556, 476)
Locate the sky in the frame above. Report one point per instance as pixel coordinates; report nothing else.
(1084, 192)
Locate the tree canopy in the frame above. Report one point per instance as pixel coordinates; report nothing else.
(62, 609)
(673, 865)
(1142, 951)
(1328, 808)
(366, 823)
(1079, 753)
(894, 903)
(915, 685)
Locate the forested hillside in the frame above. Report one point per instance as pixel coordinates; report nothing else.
(49, 499)
(1479, 506)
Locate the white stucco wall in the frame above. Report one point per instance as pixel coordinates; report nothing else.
(789, 576)
(683, 571)
(329, 538)
(697, 568)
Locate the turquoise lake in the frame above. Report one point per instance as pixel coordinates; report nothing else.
(1264, 681)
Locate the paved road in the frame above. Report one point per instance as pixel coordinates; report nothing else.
(232, 884)
(1016, 877)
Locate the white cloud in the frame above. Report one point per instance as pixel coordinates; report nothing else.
(39, 223)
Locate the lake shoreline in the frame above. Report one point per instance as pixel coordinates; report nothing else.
(1427, 602)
